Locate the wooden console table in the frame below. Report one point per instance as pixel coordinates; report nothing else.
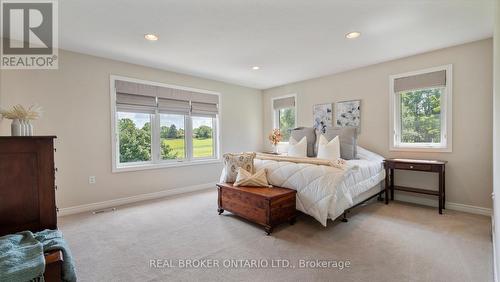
(435, 166)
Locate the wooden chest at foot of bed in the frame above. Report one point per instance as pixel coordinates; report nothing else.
(268, 207)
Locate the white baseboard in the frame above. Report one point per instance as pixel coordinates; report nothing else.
(495, 270)
(187, 189)
(133, 199)
(449, 205)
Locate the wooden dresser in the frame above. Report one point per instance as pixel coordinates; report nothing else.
(27, 184)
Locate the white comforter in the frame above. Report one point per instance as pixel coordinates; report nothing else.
(324, 191)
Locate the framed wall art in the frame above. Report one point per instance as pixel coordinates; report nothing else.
(322, 116)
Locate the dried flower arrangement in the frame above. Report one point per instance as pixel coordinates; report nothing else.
(33, 112)
(275, 136)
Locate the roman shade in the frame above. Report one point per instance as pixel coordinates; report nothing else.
(173, 106)
(419, 81)
(166, 99)
(282, 103)
(127, 102)
(204, 98)
(126, 87)
(173, 93)
(204, 108)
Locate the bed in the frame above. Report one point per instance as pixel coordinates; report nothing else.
(326, 192)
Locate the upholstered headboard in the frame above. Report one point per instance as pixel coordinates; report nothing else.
(348, 137)
(310, 133)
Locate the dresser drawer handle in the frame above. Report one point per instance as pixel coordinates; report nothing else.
(411, 166)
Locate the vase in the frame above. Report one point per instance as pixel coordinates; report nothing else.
(275, 149)
(15, 128)
(29, 128)
(23, 127)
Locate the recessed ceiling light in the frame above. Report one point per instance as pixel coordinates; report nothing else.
(256, 68)
(352, 35)
(151, 37)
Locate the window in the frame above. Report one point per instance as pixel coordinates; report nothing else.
(285, 118)
(421, 110)
(203, 137)
(172, 137)
(157, 125)
(134, 137)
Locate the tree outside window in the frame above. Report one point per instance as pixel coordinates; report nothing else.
(286, 119)
(421, 116)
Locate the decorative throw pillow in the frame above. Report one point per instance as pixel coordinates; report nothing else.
(234, 161)
(297, 149)
(328, 150)
(245, 178)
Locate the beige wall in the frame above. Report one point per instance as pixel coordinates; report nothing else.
(496, 140)
(469, 172)
(76, 103)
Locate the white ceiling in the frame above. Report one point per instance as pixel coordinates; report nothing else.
(290, 40)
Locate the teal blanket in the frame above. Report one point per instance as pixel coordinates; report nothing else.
(22, 259)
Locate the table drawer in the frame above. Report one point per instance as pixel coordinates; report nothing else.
(422, 167)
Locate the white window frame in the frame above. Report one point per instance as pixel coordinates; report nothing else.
(275, 113)
(156, 161)
(446, 144)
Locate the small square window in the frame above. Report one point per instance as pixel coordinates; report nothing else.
(421, 111)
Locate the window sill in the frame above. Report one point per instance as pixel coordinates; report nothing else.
(422, 149)
(150, 166)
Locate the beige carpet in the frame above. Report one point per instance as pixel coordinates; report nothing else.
(398, 242)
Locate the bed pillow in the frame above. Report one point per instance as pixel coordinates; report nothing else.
(348, 137)
(245, 178)
(234, 161)
(297, 149)
(310, 134)
(328, 150)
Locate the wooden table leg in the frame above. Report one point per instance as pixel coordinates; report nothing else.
(444, 188)
(441, 184)
(387, 186)
(392, 184)
(268, 230)
(220, 210)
